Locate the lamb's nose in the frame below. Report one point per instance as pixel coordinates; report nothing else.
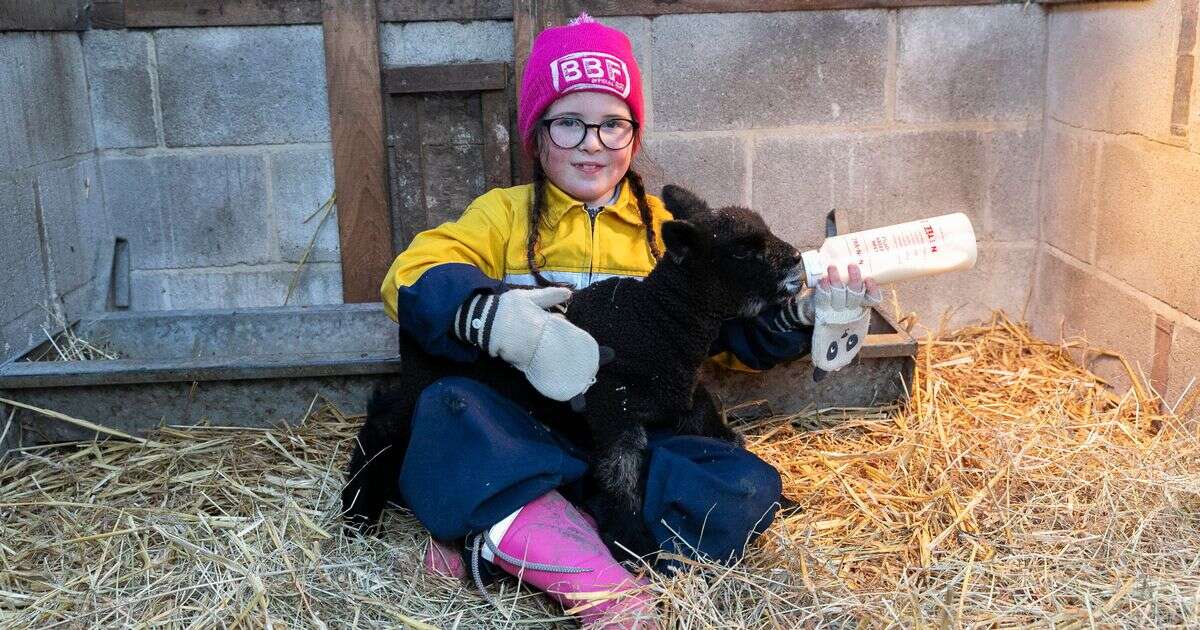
(795, 258)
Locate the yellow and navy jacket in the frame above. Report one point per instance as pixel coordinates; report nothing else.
(484, 251)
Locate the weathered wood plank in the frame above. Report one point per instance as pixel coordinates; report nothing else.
(468, 77)
(497, 162)
(1185, 62)
(359, 160)
(658, 7)
(1160, 370)
(43, 15)
(441, 10)
(168, 13)
(165, 13)
(530, 17)
(887, 345)
(108, 14)
(409, 214)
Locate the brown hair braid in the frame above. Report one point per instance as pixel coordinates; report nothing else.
(639, 192)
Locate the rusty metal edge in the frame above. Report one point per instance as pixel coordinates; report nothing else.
(129, 372)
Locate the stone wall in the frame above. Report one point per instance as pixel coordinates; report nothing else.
(213, 146)
(214, 142)
(53, 224)
(209, 147)
(1120, 202)
(892, 115)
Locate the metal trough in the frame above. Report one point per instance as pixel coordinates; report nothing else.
(881, 374)
(255, 367)
(251, 367)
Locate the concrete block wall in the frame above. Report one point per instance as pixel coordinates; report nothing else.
(1058, 131)
(893, 115)
(211, 145)
(1120, 201)
(53, 223)
(213, 148)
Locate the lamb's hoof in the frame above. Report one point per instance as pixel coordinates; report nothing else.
(629, 542)
(788, 507)
(357, 515)
(358, 524)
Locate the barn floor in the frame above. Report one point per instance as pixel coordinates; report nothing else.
(1011, 490)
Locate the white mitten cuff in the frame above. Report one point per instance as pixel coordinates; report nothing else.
(843, 317)
(558, 358)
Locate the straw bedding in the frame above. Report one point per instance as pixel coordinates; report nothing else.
(1011, 490)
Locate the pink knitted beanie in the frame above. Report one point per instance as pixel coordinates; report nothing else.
(584, 55)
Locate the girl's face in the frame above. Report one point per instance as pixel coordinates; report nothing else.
(589, 172)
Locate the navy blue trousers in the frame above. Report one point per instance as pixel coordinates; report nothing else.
(475, 457)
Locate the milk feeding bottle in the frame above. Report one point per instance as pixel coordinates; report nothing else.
(898, 252)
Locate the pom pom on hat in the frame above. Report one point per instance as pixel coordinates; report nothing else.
(583, 55)
(583, 18)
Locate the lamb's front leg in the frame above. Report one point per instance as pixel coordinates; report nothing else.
(378, 456)
(618, 469)
(706, 419)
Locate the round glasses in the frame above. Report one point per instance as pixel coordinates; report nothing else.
(567, 132)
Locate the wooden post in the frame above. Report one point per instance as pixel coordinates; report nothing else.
(43, 15)
(108, 14)
(1160, 368)
(530, 17)
(359, 160)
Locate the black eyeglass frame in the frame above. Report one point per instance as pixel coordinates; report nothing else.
(547, 122)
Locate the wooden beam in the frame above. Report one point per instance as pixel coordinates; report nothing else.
(108, 14)
(467, 77)
(359, 161)
(603, 8)
(43, 15)
(530, 17)
(1160, 369)
(888, 345)
(497, 163)
(444, 10)
(168, 13)
(1185, 62)
(409, 213)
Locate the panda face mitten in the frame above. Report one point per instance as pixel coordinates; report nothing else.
(841, 318)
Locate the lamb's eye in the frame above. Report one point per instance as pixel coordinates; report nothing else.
(743, 254)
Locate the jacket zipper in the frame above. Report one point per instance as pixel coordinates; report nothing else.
(592, 254)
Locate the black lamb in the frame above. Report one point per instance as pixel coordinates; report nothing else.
(718, 265)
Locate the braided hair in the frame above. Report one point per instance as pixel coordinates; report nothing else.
(537, 211)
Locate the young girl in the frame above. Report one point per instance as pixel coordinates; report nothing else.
(478, 469)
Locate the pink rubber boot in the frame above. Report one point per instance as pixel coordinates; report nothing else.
(444, 561)
(548, 533)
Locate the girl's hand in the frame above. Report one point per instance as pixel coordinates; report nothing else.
(799, 310)
(558, 358)
(842, 317)
(857, 285)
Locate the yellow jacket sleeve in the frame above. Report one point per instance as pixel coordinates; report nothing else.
(445, 265)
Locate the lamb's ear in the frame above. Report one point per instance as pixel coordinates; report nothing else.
(681, 239)
(681, 203)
